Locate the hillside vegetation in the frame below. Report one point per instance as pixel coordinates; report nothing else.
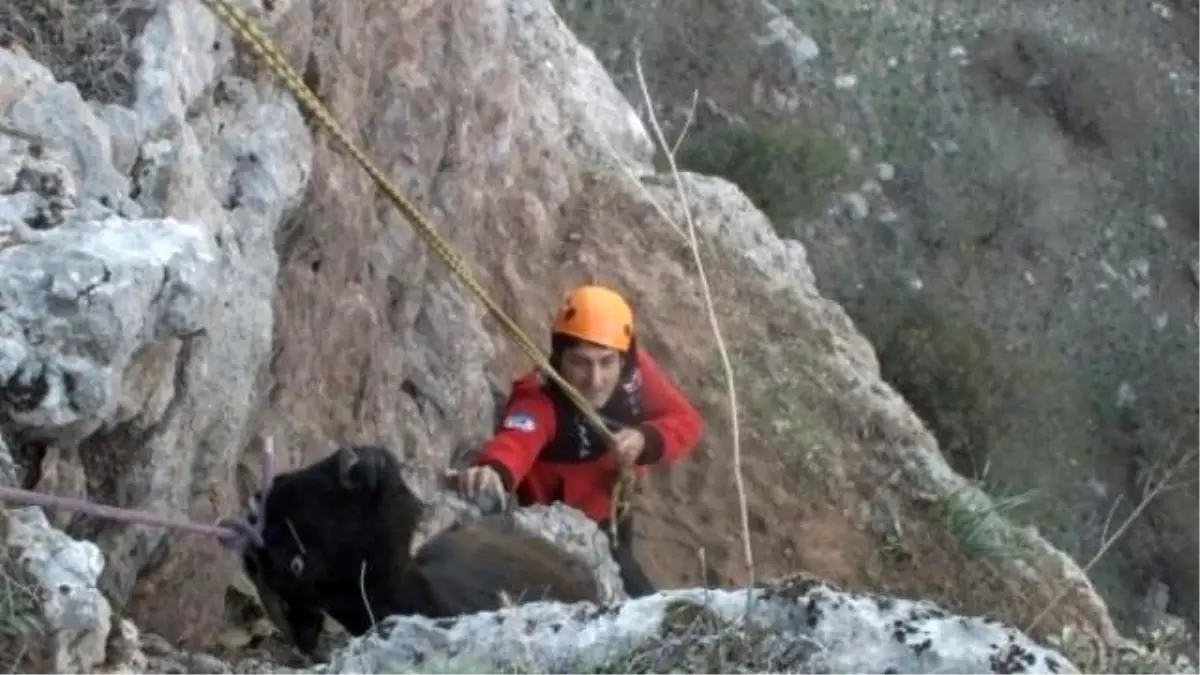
(997, 209)
(1004, 198)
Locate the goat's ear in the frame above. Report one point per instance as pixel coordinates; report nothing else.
(356, 472)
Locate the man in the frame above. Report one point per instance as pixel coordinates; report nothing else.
(546, 449)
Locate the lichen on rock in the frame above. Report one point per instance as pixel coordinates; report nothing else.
(137, 268)
(68, 630)
(815, 629)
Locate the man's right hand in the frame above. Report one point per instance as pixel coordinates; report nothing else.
(478, 481)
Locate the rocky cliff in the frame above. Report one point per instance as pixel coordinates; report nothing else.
(190, 267)
(1002, 196)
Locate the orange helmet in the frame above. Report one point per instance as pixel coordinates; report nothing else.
(596, 314)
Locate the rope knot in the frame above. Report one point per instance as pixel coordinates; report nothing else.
(242, 534)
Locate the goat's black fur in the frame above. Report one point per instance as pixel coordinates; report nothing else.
(323, 522)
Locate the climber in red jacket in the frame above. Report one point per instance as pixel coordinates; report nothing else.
(547, 451)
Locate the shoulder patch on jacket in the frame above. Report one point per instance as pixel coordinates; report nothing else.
(520, 422)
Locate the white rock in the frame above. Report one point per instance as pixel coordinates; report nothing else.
(856, 205)
(145, 294)
(578, 535)
(77, 617)
(795, 626)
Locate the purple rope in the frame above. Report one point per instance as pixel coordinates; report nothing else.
(235, 534)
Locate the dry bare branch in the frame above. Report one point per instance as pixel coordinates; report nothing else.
(694, 245)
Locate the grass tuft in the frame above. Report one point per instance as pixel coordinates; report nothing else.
(87, 42)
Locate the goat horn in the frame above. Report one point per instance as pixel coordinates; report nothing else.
(268, 465)
(347, 460)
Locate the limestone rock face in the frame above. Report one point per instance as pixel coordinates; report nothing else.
(66, 629)
(796, 627)
(137, 274)
(195, 267)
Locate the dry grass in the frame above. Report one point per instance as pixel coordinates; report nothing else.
(23, 644)
(87, 42)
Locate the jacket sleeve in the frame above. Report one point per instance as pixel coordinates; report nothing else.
(527, 426)
(672, 426)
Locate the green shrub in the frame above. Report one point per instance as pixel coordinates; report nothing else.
(947, 367)
(787, 170)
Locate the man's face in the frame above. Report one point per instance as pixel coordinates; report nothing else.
(593, 370)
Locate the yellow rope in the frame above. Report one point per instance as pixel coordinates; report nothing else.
(262, 46)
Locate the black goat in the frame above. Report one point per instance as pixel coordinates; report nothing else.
(337, 536)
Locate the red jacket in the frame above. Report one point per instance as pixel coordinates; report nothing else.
(544, 450)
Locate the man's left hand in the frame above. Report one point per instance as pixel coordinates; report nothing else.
(629, 446)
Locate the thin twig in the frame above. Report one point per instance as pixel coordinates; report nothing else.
(662, 212)
(1112, 511)
(362, 591)
(687, 123)
(694, 245)
(1151, 491)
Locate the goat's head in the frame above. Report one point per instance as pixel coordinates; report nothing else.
(318, 526)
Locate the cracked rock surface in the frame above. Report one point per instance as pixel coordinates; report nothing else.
(796, 626)
(137, 271)
(40, 561)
